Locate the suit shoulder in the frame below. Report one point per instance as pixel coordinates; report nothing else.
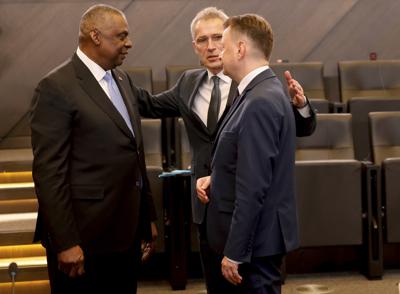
(272, 90)
(193, 73)
(59, 77)
(268, 96)
(58, 81)
(59, 71)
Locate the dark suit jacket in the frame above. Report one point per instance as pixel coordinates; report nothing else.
(252, 209)
(88, 169)
(178, 101)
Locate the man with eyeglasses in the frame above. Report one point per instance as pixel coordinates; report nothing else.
(202, 97)
(89, 172)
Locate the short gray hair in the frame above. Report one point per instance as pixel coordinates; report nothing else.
(96, 14)
(207, 13)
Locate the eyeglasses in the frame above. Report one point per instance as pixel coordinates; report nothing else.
(203, 41)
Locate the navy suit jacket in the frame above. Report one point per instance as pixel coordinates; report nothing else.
(178, 101)
(252, 209)
(88, 168)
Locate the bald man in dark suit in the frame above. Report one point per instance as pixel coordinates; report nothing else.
(95, 206)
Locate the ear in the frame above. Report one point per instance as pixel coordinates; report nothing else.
(241, 50)
(95, 36)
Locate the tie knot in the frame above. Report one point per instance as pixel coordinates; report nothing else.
(108, 77)
(215, 80)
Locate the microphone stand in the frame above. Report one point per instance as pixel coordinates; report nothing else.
(12, 272)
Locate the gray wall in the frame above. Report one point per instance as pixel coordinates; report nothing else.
(35, 36)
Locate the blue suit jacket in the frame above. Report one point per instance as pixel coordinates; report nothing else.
(252, 209)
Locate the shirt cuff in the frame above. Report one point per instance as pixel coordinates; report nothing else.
(233, 261)
(305, 111)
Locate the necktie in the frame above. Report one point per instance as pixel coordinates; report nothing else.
(116, 99)
(215, 102)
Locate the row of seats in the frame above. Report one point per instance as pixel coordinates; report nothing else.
(327, 154)
(365, 86)
(361, 78)
(340, 201)
(171, 148)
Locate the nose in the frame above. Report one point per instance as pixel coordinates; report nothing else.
(211, 45)
(128, 43)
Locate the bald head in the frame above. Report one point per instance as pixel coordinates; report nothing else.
(97, 17)
(104, 36)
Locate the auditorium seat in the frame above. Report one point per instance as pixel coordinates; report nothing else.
(331, 139)
(359, 108)
(310, 76)
(151, 130)
(174, 72)
(385, 137)
(336, 193)
(141, 77)
(184, 161)
(364, 78)
(183, 151)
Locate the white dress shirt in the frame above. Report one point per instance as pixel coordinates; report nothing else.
(97, 71)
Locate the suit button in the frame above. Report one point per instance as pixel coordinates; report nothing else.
(137, 183)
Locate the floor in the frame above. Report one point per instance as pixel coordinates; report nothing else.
(337, 283)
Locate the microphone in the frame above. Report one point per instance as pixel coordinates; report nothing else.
(12, 272)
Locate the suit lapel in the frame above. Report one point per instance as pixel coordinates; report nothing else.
(229, 114)
(90, 85)
(194, 87)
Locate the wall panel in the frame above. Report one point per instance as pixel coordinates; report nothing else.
(35, 36)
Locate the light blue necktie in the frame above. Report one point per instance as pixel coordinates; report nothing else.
(116, 99)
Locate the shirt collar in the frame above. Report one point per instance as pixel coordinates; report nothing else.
(97, 71)
(221, 75)
(249, 77)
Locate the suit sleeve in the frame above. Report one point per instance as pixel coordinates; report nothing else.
(165, 104)
(257, 148)
(305, 126)
(51, 119)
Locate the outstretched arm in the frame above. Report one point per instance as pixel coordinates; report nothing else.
(303, 112)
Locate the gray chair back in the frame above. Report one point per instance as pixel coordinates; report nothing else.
(365, 78)
(332, 139)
